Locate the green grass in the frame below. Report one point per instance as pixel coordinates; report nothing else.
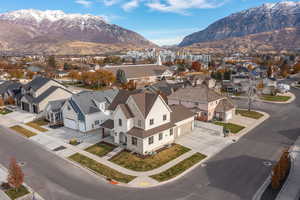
(137, 163)
(250, 114)
(100, 149)
(179, 168)
(25, 132)
(101, 169)
(4, 111)
(277, 98)
(14, 194)
(233, 128)
(37, 125)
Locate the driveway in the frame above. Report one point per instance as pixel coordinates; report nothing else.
(16, 117)
(202, 140)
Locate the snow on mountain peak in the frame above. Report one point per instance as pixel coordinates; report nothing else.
(51, 15)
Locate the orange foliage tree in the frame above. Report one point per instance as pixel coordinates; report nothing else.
(15, 176)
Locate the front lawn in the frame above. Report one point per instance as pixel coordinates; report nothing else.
(100, 149)
(233, 128)
(138, 163)
(179, 168)
(4, 111)
(23, 131)
(101, 169)
(278, 98)
(14, 194)
(37, 125)
(250, 114)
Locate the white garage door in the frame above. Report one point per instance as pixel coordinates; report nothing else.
(228, 115)
(70, 123)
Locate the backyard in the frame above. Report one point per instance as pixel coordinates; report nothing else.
(37, 124)
(100, 149)
(233, 128)
(101, 169)
(23, 131)
(179, 168)
(138, 163)
(249, 114)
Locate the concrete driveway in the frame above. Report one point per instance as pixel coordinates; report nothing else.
(18, 116)
(203, 141)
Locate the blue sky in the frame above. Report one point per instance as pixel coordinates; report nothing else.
(164, 22)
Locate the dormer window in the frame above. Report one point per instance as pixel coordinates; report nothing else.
(120, 122)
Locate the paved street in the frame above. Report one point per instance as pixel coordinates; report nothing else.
(235, 173)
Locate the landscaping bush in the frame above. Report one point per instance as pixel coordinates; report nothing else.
(74, 142)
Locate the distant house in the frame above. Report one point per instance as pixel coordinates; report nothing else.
(142, 73)
(204, 101)
(35, 95)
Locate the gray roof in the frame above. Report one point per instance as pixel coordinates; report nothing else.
(36, 83)
(57, 105)
(138, 71)
(9, 85)
(86, 101)
(196, 94)
(224, 105)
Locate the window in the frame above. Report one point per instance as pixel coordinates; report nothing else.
(140, 123)
(69, 108)
(151, 121)
(196, 103)
(171, 132)
(150, 140)
(164, 117)
(97, 122)
(134, 141)
(160, 136)
(120, 122)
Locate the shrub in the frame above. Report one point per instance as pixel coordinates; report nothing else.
(74, 141)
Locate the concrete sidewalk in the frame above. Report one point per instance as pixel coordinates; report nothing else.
(291, 188)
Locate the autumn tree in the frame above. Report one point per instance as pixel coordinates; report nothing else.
(297, 67)
(51, 62)
(30, 74)
(10, 100)
(1, 102)
(196, 66)
(73, 75)
(15, 176)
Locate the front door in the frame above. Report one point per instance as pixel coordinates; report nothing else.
(25, 106)
(123, 138)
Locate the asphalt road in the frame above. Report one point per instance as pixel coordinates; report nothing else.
(235, 173)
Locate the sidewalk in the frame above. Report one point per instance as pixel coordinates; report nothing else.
(291, 188)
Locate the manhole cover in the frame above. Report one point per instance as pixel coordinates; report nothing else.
(267, 163)
(22, 164)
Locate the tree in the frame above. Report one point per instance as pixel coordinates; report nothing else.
(73, 75)
(196, 66)
(10, 100)
(121, 77)
(51, 62)
(30, 74)
(1, 102)
(15, 176)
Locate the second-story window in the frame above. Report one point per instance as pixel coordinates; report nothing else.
(160, 136)
(139, 123)
(164, 117)
(97, 122)
(151, 121)
(120, 122)
(150, 140)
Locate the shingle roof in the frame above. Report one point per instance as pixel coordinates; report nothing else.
(196, 94)
(57, 105)
(109, 124)
(126, 110)
(145, 101)
(37, 82)
(9, 85)
(48, 92)
(121, 98)
(138, 71)
(180, 113)
(86, 100)
(224, 105)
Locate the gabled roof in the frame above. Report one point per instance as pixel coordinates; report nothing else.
(224, 105)
(180, 113)
(9, 85)
(121, 98)
(145, 102)
(126, 110)
(37, 83)
(196, 94)
(57, 105)
(87, 100)
(47, 93)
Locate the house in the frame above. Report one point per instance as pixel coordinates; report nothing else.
(144, 122)
(35, 95)
(203, 101)
(142, 74)
(9, 89)
(87, 110)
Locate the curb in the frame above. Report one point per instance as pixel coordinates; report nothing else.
(262, 189)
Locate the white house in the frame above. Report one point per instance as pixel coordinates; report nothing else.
(144, 122)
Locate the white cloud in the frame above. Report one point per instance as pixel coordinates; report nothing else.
(167, 41)
(110, 2)
(130, 5)
(180, 6)
(84, 3)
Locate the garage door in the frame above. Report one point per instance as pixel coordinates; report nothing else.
(184, 129)
(70, 123)
(228, 115)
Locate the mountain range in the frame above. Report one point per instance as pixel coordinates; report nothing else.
(272, 27)
(55, 32)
